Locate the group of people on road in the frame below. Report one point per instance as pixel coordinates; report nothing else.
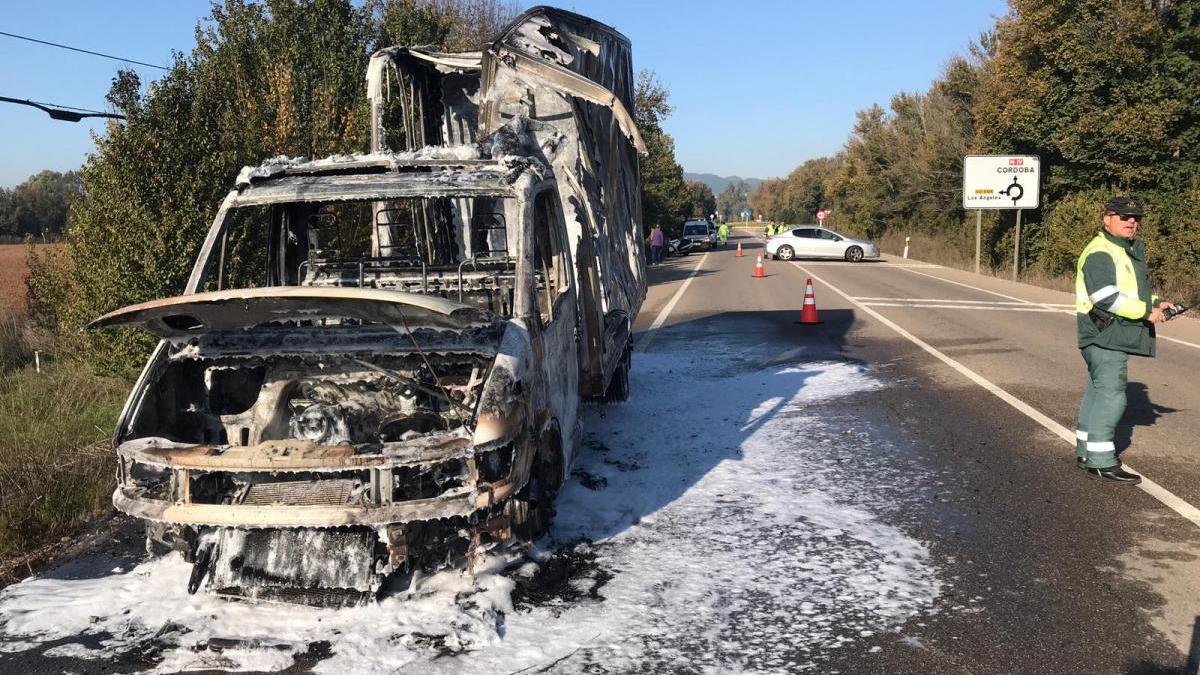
(658, 241)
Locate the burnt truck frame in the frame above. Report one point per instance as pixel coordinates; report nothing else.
(376, 367)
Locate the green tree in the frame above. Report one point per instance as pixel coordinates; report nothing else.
(1104, 91)
(704, 203)
(734, 199)
(38, 207)
(666, 199)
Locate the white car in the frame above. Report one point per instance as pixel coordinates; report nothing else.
(812, 241)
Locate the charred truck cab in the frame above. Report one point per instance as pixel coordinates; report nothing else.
(376, 367)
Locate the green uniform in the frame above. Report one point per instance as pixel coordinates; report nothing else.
(723, 232)
(1111, 275)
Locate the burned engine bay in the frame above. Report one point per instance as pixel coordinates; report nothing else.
(258, 462)
(351, 401)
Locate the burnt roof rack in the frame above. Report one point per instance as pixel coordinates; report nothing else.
(281, 167)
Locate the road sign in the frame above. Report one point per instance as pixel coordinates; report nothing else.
(822, 215)
(1001, 181)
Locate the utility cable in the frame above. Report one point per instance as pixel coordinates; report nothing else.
(84, 51)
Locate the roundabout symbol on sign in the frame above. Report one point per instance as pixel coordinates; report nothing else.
(1015, 191)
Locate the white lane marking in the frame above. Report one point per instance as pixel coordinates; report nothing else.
(648, 335)
(1006, 308)
(1178, 341)
(998, 294)
(864, 265)
(946, 300)
(1040, 304)
(1166, 497)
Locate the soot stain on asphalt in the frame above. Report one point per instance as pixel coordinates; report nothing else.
(570, 575)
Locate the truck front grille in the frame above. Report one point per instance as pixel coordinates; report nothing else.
(326, 492)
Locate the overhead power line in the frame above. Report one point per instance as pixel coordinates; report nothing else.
(85, 51)
(64, 113)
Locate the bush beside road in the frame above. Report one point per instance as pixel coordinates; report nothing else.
(56, 466)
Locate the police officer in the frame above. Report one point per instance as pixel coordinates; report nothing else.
(1116, 313)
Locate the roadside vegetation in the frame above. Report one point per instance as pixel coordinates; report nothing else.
(37, 208)
(56, 470)
(1103, 91)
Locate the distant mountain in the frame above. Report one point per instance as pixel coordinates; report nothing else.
(718, 183)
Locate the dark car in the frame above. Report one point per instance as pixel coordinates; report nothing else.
(700, 233)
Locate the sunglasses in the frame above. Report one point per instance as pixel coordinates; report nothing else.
(1123, 216)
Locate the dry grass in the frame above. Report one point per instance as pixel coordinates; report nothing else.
(960, 254)
(56, 471)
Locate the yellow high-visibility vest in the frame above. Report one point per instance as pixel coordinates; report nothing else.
(1128, 304)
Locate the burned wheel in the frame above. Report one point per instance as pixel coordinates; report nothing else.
(618, 386)
(536, 499)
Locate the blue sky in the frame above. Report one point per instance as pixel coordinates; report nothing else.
(758, 87)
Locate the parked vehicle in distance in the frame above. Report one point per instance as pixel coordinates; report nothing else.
(700, 233)
(812, 241)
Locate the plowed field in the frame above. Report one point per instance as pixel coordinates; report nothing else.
(12, 277)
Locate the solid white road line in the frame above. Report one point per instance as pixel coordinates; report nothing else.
(994, 308)
(1040, 304)
(648, 335)
(961, 302)
(1166, 497)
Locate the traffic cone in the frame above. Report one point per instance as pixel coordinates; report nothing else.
(739, 253)
(808, 314)
(759, 272)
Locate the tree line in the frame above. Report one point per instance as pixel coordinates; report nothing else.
(667, 198)
(1105, 92)
(38, 207)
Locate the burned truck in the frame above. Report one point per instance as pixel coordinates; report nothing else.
(376, 368)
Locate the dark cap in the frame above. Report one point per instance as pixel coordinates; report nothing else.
(1123, 206)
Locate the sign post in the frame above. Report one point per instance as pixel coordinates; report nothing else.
(978, 236)
(1001, 182)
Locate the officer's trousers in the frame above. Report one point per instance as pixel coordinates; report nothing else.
(1102, 407)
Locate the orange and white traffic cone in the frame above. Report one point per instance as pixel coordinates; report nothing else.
(739, 253)
(759, 272)
(808, 314)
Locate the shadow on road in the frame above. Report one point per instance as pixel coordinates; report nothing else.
(1193, 660)
(1140, 411)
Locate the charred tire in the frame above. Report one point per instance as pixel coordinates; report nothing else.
(785, 253)
(545, 480)
(854, 254)
(618, 386)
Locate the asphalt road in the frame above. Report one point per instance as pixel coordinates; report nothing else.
(891, 490)
(1061, 572)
